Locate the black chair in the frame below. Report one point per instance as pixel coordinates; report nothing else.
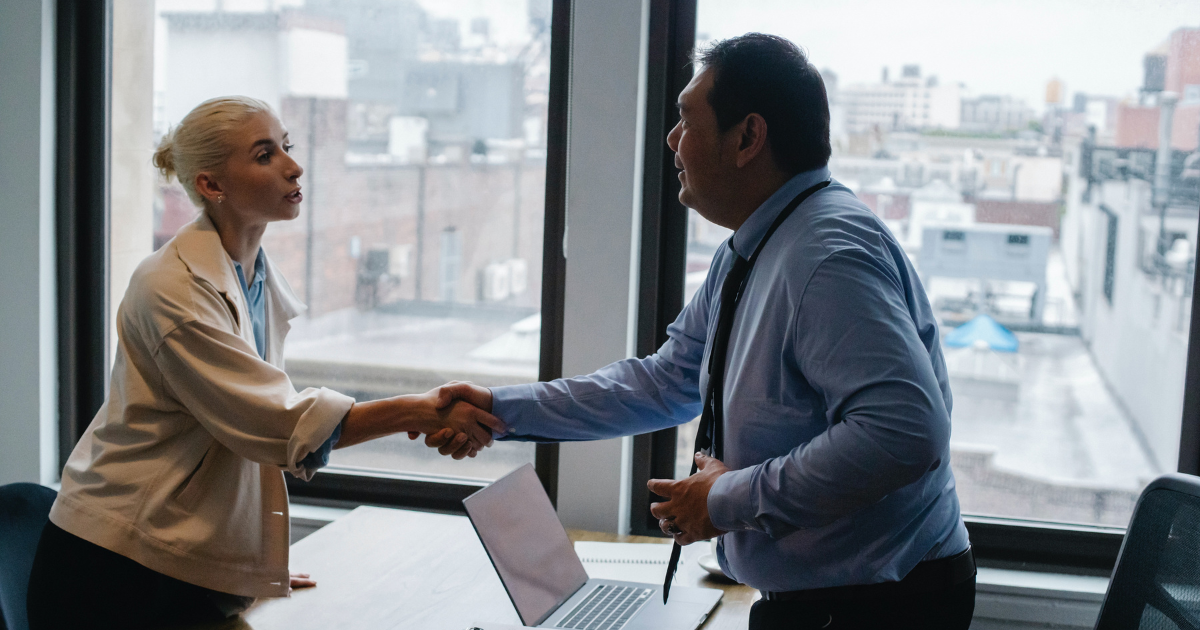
(1156, 583)
(24, 509)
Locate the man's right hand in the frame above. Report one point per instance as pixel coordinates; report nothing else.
(465, 390)
(445, 441)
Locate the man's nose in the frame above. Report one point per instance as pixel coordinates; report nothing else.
(673, 138)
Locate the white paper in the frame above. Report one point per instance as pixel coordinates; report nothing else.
(628, 562)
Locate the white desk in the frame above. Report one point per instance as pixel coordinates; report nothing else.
(378, 568)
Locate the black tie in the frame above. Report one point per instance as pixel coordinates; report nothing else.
(712, 418)
(708, 437)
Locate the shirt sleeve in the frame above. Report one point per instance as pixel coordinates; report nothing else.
(249, 405)
(319, 458)
(627, 397)
(857, 346)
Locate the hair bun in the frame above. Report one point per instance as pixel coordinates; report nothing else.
(204, 140)
(164, 157)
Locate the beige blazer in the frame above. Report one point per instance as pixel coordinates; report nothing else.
(182, 468)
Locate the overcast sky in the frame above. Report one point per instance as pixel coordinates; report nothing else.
(994, 47)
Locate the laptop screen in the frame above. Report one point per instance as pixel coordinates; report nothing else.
(527, 544)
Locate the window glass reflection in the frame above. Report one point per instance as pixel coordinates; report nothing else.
(421, 128)
(1040, 164)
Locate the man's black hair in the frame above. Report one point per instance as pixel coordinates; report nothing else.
(770, 76)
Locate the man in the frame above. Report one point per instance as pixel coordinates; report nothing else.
(828, 407)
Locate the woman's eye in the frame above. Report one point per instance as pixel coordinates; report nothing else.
(287, 148)
(265, 157)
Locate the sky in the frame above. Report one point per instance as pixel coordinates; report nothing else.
(995, 47)
(508, 20)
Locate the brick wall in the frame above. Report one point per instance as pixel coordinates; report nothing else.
(378, 205)
(1018, 213)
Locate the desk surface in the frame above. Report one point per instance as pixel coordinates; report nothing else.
(381, 568)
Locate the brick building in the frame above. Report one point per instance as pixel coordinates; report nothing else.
(448, 210)
(493, 210)
(1174, 67)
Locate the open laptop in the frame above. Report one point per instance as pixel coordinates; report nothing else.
(545, 579)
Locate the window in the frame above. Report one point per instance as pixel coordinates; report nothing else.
(1110, 252)
(422, 128)
(1071, 425)
(1191, 94)
(450, 258)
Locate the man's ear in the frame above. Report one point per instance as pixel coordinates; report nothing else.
(753, 140)
(208, 186)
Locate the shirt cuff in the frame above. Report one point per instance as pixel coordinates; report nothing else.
(319, 458)
(731, 507)
(507, 401)
(323, 416)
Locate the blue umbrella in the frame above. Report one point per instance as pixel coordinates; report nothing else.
(985, 329)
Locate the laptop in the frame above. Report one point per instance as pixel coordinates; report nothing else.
(545, 579)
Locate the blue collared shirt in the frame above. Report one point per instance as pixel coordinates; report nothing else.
(837, 402)
(253, 293)
(254, 301)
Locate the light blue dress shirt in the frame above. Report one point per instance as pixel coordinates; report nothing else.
(253, 293)
(837, 403)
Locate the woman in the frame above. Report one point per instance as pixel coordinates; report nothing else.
(173, 506)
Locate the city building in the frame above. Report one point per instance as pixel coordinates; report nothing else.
(1172, 76)
(911, 102)
(444, 203)
(1131, 262)
(994, 114)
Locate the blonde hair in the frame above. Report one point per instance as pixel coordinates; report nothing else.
(202, 142)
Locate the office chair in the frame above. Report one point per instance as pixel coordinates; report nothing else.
(1156, 583)
(24, 510)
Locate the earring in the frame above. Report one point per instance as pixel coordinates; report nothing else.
(220, 198)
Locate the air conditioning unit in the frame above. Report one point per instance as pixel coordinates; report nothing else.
(497, 282)
(398, 261)
(518, 274)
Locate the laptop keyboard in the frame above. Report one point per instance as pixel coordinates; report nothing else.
(608, 607)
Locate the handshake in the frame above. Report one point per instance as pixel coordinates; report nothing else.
(461, 423)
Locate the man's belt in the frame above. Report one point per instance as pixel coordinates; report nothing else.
(927, 577)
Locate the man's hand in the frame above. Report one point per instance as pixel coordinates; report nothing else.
(684, 515)
(450, 444)
(465, 418)
(447, 441)
(464, 390)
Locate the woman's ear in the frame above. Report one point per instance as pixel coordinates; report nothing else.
(209, 188)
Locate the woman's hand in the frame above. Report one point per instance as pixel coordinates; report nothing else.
(447, 442)
(415, 414)
(301, 580)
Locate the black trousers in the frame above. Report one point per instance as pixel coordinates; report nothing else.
(76, 584)
(947, 609)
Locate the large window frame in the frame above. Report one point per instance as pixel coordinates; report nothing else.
(83, 78)
(83, 69)
(1000, 542)
(83, 107)
(672, 36)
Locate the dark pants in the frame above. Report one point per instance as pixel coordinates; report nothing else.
(947, 609)
(76, 584)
